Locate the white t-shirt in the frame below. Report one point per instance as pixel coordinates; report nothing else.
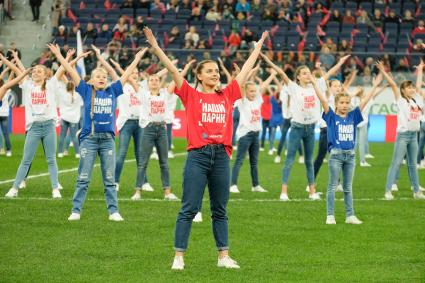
(355, 102)
(409, 114)
(40, 105)
(5, 108)
(170, 107)
(305, 105)
(69, 105)
(284, 97)
(250, 115)
(129, 105)
(153, 108)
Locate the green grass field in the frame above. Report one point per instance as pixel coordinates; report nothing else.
(273, 241)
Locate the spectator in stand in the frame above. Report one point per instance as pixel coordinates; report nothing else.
(7, 12)
(140, 23)
(128, 4)
(202, 45)
(420, 29)
(348, 18)
(90, 32)
(364, 19)
(227, 14)
(35, 9)
(367, 76)
(419, 46)
(256, 6)
(269, 11)
(196, 12)
(326, 58)
(185, 5)
(331, 45)
(121, 26)
(134, 33)
(403, 66)
(344, 48)
(234, 41)
(62, 32)
(213, 15)
(188, 45)
(240, 16)
(392, 17)
(301, 8)
(335, 16)
(378, 18)
(74, 30)
(159, 6)
(248, 37)
(192, 35)
(12, 48)
(145, 4)
(319, 9)
(120, 34)
(174, 34)
(243, 6)
(283, 15)
(408, 17)
(105, 32)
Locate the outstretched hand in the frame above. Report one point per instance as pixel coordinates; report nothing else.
(150, 38)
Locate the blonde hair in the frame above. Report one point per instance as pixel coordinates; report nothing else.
(46, 73)
(340, 95)
(97, 70)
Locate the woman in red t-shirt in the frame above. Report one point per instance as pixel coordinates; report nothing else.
(209, 135)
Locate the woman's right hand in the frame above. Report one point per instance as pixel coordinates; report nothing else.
(150, 38)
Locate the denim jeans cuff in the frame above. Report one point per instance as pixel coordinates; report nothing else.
(223, 248)
(179, 249)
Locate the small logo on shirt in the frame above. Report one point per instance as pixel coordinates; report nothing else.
(204, 136)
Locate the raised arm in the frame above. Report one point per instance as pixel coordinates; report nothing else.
(225, 71)
(391, 82)
(18, 61)
(133, 65)
(164, 71)
(322, 99)
(134, 84)
(11, 66)
(266, 83)
(11, 83)
(253, 73)
(69, 69)
(172, 85)
(5, 71)
(332, 71)
(105, 64)
(61, 71)
(249, 63)
(375, 83)
(177, 77)
(281, 73)
(420, 78)
(348, 82)
(117, 66)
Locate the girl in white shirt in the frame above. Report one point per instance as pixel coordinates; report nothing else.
(410, 107)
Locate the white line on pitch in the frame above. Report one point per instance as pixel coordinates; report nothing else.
(73, 170)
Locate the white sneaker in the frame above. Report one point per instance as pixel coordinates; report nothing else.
(12, 193)
(314, 196)
(198, 217)
(74, 216)
(77, 155)
(261, 148)
(307, 189)
(389, 196)
(170, 154)
(71, 144)
(286, 152)
(404, 162)
(8, 153)
(422, 189)
(60, 186)
(234, 189)
(352, 220)
(147, 187)
(419, 195)
(339, 188)
(60, 155)
(277, 159)
(65, 153)
(154, 155)
(325, 160)
(283, 197)
(23, 185)
(56, 193)
(136, 195)
(115, 217)
(227, 262)
(117, 187)
(420, 167)
(394, 188)
(301, 160)
(235, 147)
(171, 196)
(178, 263)
(369, 156)
(271, 152)
(172, 146)
(365, 164)
(330, 219)
(258, 189)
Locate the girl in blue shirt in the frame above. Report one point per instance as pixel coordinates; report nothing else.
(342, 124)
(98, 133)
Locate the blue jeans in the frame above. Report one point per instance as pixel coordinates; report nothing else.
(44, 132)
(265, 127)
(345, 161)
(206, 165)
(92, 145)
(130, 129)
(306, 134)
(170, 135)
(285, 127)
(406, 142)
(250, 143)
(73, 128)
(322, 151)
(235, 116)
(273, 135)
(4, 124)
(154, 134)
(421, 143)
(361, 142)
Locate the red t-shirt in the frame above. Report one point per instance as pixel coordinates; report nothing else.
(266, 108)
(209, 115)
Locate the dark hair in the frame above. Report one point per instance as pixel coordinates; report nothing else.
(198, 70)
(404, 85)
(297, 72)
(70, 87)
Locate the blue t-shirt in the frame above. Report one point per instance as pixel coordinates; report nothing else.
(277, 118)
(342, 130)
(105, 104)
